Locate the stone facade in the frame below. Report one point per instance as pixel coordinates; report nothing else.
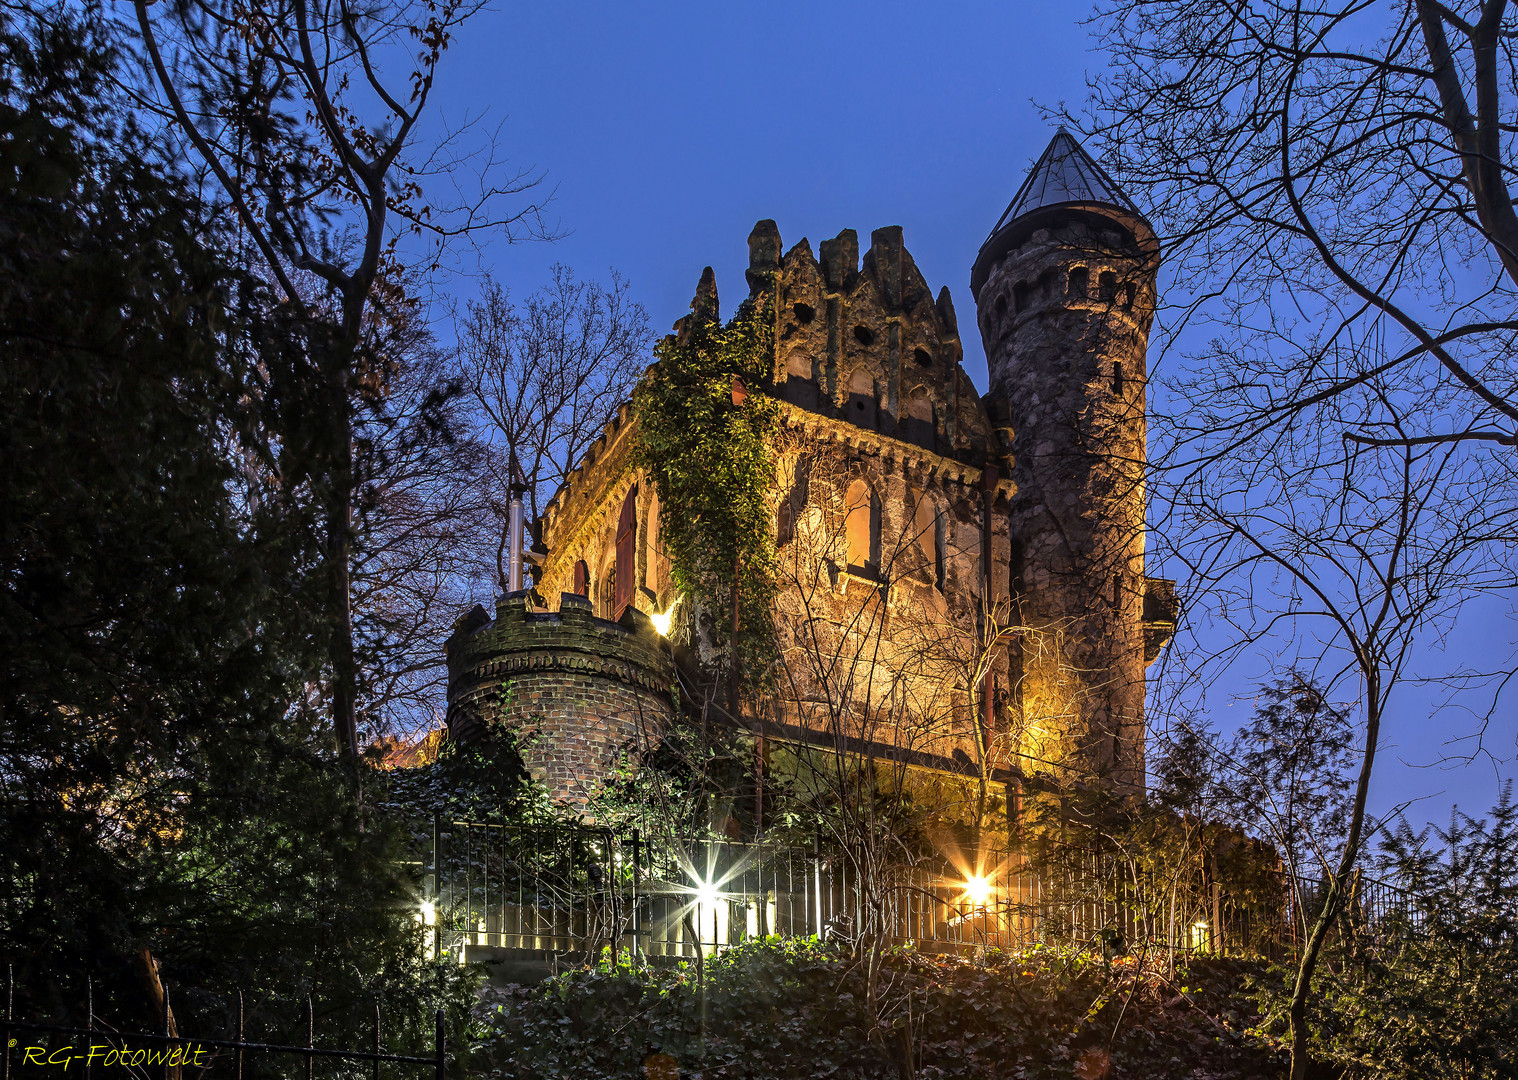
(962, 577)
(1065, 293)
(580, 693)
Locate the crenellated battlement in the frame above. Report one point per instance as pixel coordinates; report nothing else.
(578, 692)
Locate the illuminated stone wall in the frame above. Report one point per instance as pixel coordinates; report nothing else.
(579, 692)
(867, 365)
(1065, 318)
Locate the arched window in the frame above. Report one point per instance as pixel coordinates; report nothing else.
(861, 408)
(1080, 282)
(930, 539)
(793, 504)
(918, 426)
(651, 545)
(862, 527)
(582, 579)
(1106, 287)
(627, 554)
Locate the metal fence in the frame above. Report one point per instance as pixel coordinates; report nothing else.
(36, 1047)
(571, 893)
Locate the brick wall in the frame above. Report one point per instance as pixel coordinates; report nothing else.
(579, 691)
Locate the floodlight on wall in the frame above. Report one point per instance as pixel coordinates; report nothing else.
(664, 620)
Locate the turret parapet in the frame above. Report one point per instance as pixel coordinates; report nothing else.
(580, 693)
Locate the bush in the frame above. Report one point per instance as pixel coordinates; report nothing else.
(799, 1008)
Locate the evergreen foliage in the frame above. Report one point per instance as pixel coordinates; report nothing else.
(1426, 989)
(165, 781)
(799, 1009)
(711, 458)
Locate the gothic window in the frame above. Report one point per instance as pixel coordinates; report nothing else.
(918, 427)
(862, 527)
(651, 545)
(930, 537)
(626, 574)
(582, 579)
(1106, 287)
(861, 408)
(1080, 283)
(793, 504)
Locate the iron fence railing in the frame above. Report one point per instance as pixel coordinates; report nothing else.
(49, 1048)
(576, 892)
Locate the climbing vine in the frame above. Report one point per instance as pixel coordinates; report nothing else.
(705, 435)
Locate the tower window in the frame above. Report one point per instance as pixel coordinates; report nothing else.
(1046, 283)
(923, 357)
(1130, 291)
(1117, 590)
(1106, 286)
(582, 579)
(1001, 305)
(804, 313)
(864, 335)
(862, 526)
(1080, 283)
(1020, 294)
(1117, 377)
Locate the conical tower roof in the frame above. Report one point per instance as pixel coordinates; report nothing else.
(1065, 177)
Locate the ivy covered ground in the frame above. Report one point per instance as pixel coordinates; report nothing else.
(797, 1009)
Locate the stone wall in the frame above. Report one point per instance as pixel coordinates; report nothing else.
(1065, 317)
(578, 691)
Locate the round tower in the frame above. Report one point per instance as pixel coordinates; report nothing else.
(1064, 292)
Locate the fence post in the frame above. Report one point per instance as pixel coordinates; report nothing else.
(637, 919)
(441, 1043)
(613, 896)
(240, 1036)
(437, 916)
(10, 993)
(376, 1037)
(89, 1023)
(310, 1034)
(167, 1013)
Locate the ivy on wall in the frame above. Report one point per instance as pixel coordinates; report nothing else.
(705, 436)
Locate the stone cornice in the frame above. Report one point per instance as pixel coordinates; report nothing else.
(471, 678)
(909, 454)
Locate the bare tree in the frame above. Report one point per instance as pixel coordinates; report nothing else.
(550, 374)
(304, 117)
(424, 531)
(1325, 174)
(1340, 558)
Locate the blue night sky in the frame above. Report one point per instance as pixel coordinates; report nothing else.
(668, 129)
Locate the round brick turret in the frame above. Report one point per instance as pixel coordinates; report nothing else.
(579, 692)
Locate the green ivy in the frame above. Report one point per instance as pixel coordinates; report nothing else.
(800, 1008)
(712, 463)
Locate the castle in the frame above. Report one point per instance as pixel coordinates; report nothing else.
(963, 578)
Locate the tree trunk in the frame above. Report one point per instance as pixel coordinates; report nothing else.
(1302, 990)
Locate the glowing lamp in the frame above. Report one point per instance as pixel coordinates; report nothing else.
(429, 913)
(662, 620)
(978, 889)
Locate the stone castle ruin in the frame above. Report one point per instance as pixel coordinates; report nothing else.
(974, 565)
